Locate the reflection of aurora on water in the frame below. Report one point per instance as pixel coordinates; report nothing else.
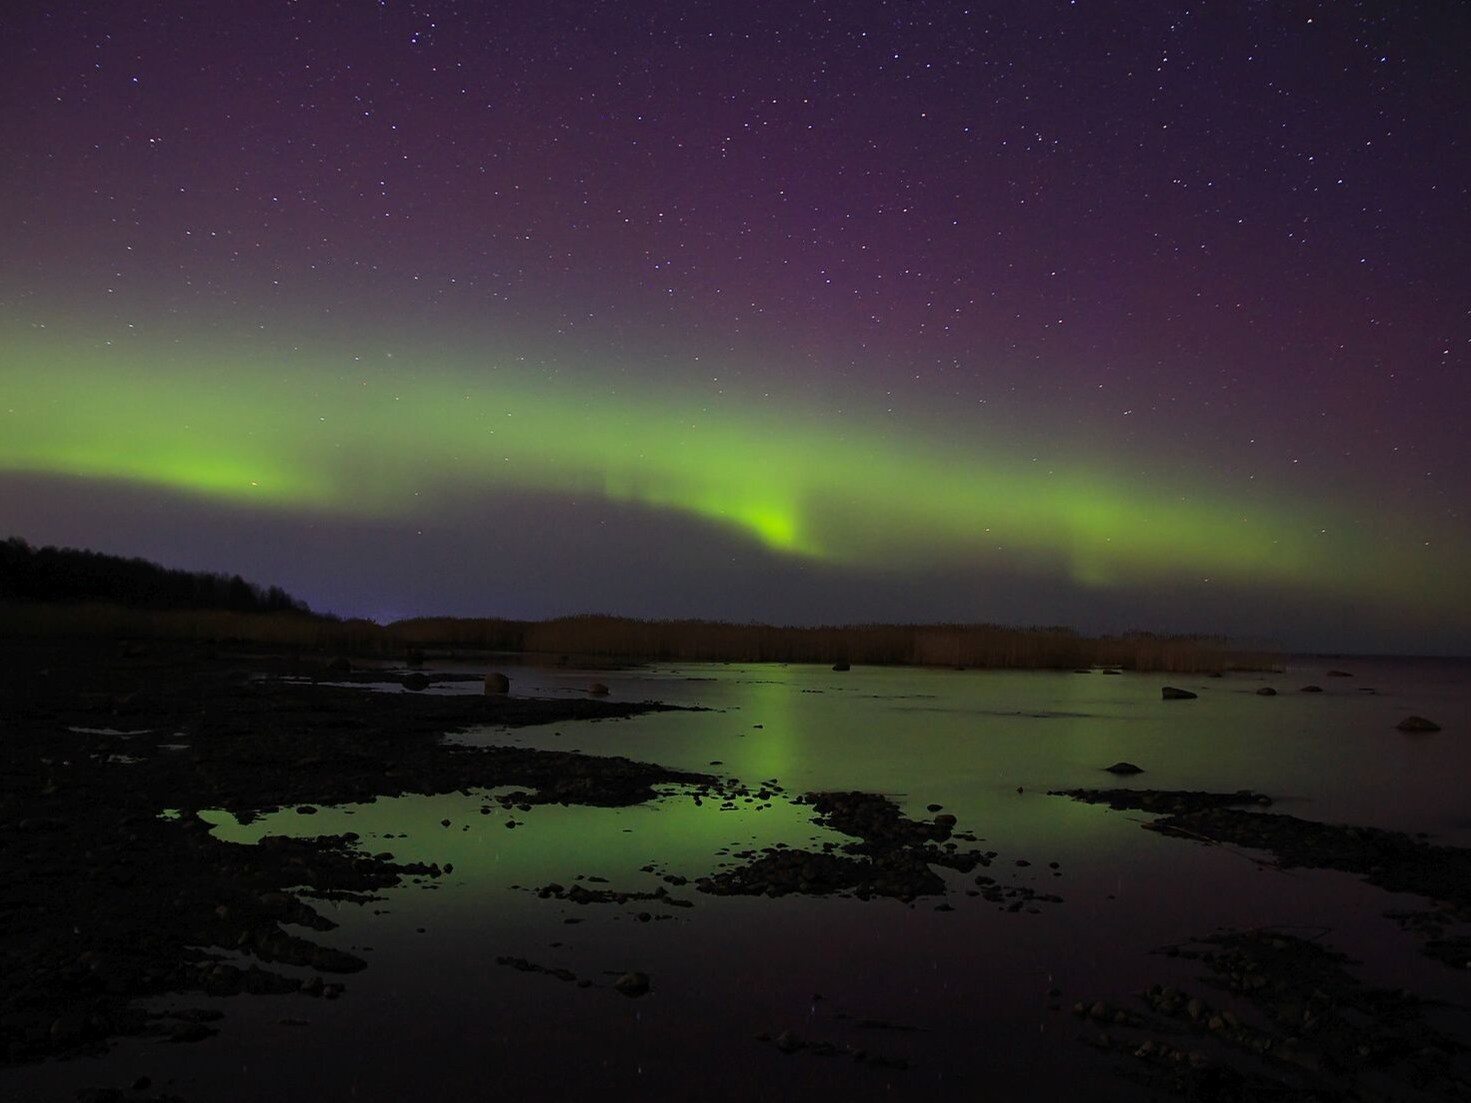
(399, 439)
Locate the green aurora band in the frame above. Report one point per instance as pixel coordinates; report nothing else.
(313, 431)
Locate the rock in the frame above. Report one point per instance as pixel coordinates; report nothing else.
(842, 664)
(327, 960)
(945, 820)
(416, 681)
(1311, 689)
(632, 985)
(1339, 674)
(496, 683)
(68, 1030)
(1170, 693)
(1124, 768)
(598, 689)
(190, 1032)
(339, 665)
(1417, 724)
(1266, 691)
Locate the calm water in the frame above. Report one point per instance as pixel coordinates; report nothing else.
(435, 1013)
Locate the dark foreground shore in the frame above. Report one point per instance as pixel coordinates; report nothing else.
(115, 890)
(106, 900)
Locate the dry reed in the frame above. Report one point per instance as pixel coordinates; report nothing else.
(628, 639)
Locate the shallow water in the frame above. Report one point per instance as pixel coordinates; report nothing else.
(964, 993)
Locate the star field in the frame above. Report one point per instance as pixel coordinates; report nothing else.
(1122, 315)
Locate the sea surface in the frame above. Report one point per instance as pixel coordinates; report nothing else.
(962, 997)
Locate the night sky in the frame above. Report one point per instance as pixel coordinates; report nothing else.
(1129, 315)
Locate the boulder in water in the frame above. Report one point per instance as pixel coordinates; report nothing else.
(841, 664)
(416, 681)
(1266, 691)
(497, 683)
(598, 689)
(632, 985)
(1170, 693)
(1124, 768)
(1417, 724)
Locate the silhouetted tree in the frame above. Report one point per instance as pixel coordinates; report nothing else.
(74, 575)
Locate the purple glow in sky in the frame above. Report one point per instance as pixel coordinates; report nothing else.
(1061, 292)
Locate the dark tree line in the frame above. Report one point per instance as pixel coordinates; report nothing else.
(70, 574)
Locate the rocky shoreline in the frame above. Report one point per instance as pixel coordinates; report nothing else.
(1295, 1024)
(108, 900)
(1391, 860)
(1277, 1017)
(118, 890)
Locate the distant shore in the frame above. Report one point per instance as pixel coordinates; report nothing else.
(602, 639)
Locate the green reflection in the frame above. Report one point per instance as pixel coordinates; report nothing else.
(769, 699)
(552, 843)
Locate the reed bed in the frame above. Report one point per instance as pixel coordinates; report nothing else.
(609, 638)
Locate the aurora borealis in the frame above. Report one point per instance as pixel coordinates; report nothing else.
(1116, 315)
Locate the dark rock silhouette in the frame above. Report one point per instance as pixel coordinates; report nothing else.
(1311, 689)
(632, 984)
(416, 681)
(1266, 691)
(496, 683)
(1170, 693)
(598, 689)
(1124, 768)
(841, 664)
(1417, 724)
